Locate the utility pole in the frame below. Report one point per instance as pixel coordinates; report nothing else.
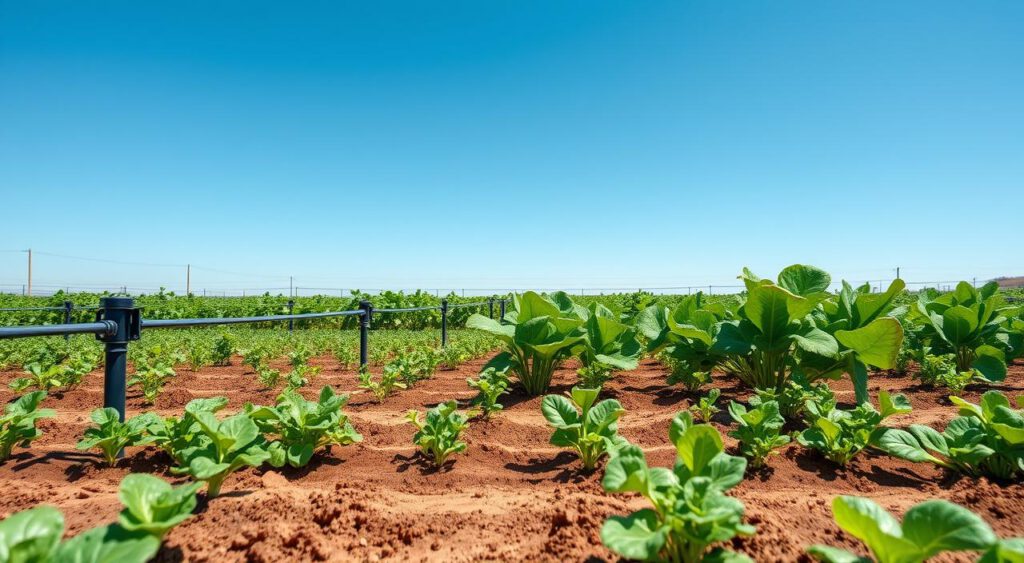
(30, 272)
(897, 272)
(188, 279)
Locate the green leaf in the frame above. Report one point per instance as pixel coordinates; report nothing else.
(559, 411)
(959, 324)
(804, 280)
(108, 544)
(937, 525)
(698, 446)
(876, 344)
(990, 362)
(835, 555)
(637, 536)
(31, 535)
(868, 522)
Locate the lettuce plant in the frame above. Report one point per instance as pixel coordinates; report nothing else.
(380, 388)
(841, 434)
(152, 505)
(795, 395)
(42, 378)
(537, 334)
(151, 377)
(304, 427)
(690, 511)
(758, 430)
(177, 435)
(110, 435)
(705, 406)
(590, 429)
(226, 446)
(491, 384)
(928, 529)
(866, 330)
(608, 341)
(683, 338)
(34, 536)
(987, 439)
(18, 423)
(967, 323)
(438, 436)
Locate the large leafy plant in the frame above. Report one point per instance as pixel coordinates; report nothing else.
(841, 434)
(304, 427)
(491, 384)
(18, 423)
(151, 508)
(111, 435)
(224, 447)
(986, 439)
(928, 529)
(152, 505)
(690, 511)
(968, 323)
(865, 327)
(176, 435)
(537, 334)
(438, 436)
(581, 423)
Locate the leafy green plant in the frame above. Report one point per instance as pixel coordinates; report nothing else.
(255, 357)
(537, 334)
(438, 436)
(198, 357)
(223, 349)
(152, 505)
(928, 529)
(346, 357)
(300, 375)
(175, 436)
(42, 378)
(491, 384)
(841, 434)
(34, 536)
(304, 427)
(680, 374)
(268, 376)
(967, 323)
(705, 406)
(608, 341)
(452, 356)
(151, 379)
(941, 370)
(18, 423)
(795, 395)
(865, 327)
(986, 439)
(584, 425)
(229, 445)
(382, 388)
(595, 375)
(110, 435)
(691, 512)
(758, 430)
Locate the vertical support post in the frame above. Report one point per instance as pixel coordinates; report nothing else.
(291, 322)
(188, 279)
(444, 323)
(364, 333)
(122, 311)
(67, 316)
(490, 308)
(501, 311)
(30, 272)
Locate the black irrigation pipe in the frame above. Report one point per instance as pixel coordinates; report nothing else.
(119, 321)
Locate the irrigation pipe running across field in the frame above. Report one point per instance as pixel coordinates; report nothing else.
(119, 321)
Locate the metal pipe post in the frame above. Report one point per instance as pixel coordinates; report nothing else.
(291, 322)
(364, 333)
(444, 323)
(490, 308)
(501, 311)
(122, 311)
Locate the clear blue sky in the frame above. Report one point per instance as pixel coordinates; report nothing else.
(510, 144)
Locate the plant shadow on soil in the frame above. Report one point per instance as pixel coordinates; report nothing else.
(419, 461)
(561, 463)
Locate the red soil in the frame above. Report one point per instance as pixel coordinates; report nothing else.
(512, 496)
